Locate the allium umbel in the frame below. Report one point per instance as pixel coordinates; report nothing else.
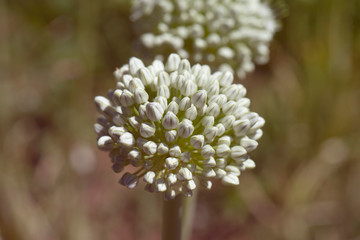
(213, 32)
(176, 123)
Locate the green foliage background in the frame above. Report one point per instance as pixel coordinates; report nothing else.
(55, 56)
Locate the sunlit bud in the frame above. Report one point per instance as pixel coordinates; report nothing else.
(188, 88)
(209, 173)
(171, 163)
(249, 164)
(171, 179)
(150, 147)
(184, 66)
(208, 121)
(207, 151)
(185, 128)
(209, 163)
(100, 129)
(170, 121)
(147, 130)
(163, 91)
(248, 144)
(220, 129)
(191, 185)
(134, 84)
(237, 152)
(244, 102)
(129, 180)
(226, 79)
(162, 149)
(241, 127)
(221, 162)
(199, 98)
(134, 65)
(126, 98)
(102, 103)
(230, 179)
(140, 96)
(115, 97)
(233, 170)
(127, 140)
(227, 121)
(160, 185)
(197, 141)
(220, 99)
(162, 101)
(184, 104)
(259, 124)
(229, 108)
(154, 111)
(220, 172)
(135, 155)
(225, 140)
(184, 174)
(105, 143)
(173, 107)
(116, 132)
(172, 63)
(175, 151)
(145, 76)
(170, 136)
(149, 177)
(256, 135)
(191, 113)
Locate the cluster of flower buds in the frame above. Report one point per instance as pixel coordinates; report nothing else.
(225, 34)
(177, 122)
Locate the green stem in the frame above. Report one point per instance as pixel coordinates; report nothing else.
(172, 214)
(189, 206)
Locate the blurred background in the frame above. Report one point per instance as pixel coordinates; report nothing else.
(55, 56)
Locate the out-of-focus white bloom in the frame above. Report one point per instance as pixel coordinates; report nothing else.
(226, 34)
(195, 130)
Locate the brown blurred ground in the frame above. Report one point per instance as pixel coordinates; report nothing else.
(55, 56)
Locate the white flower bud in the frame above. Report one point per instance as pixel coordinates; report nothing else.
(171, 163)
(206, 184)
(241, 127)
(249, 164)
(213, 110)
(230, 179)
(171, 179)
(222, 150)
(237, 152)
(191, 113)
(208, 121)
(163, 91)
(116, 132)
(248, 144)
(149, 177)
(184, 104)
(220, 99)
(134, 84)
(140, 96)
(226, 79)
(126, 140)
(134, 65)
(207, 151)
(150, 148)
(256, 135)
(142, 111)
(197, 141)
(164, 79)
(229, 108)
(184, 174)
(126, 98)
(173, 107)
(170, 136)
(209, 163)
(147, 130)
(259, 124)
(243, 102)
(172, 63)
(129, 180)
(162, 101)
(100, 129)
(170, 121)
(227, 121)
(233, 170)
(209, 173)
(102, 103)
(220, 173)
(191, 185)
(160, 185)
(115, 96)
(162, 149)
(199, 98)
(185, 128)
(188, 88)
(220, 129)
(224, 140)
(154, 111)
(175, 151)
(226, 53)
(105, 143)
(184, 66)
(145, 76)
(209, 133)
